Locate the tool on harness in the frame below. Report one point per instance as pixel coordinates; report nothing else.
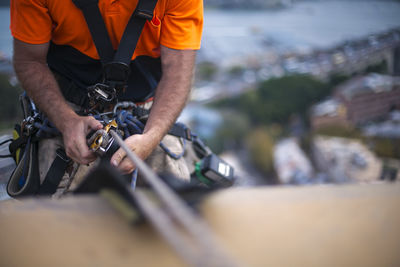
(212, 170)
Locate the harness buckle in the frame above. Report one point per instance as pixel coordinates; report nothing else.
(116, 74)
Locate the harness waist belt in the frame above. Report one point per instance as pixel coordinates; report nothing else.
(71, 92)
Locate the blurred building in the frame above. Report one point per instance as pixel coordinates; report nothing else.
(329, 112)
(345, 160)
(291, 163)
(359, 100)
(386, 129)
(391, 170)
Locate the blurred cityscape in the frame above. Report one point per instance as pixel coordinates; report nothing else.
(293, 92)
(301, 110)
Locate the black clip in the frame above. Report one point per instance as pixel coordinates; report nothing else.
(116, 74)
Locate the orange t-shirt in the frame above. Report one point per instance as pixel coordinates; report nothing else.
(176, 24)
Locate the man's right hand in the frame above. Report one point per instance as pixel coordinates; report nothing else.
(38, 81)
(74, 131)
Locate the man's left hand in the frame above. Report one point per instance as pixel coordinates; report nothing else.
(140, 144)
(170, 97)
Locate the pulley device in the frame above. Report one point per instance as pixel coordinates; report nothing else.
(101, 142)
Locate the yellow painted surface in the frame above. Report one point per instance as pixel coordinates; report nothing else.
(352, 225)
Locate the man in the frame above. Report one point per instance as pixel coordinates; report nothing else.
(54, 53)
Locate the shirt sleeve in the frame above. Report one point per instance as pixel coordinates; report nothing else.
(30, 21)
(182, 25)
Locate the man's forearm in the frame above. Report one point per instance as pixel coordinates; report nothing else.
(41, 86)
(38, 81)
(169, 100)
(172, 91)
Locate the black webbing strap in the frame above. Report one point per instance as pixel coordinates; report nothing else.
(181, 130)
(97, 28)
(17, 143)
(55, 173)
(143, 12)
(70, 91)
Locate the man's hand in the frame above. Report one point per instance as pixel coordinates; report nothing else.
(169, 100)
(38, 81)
(74, 134)
(141, 144)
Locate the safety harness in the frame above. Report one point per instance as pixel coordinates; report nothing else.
(116, 65)
(126, 117)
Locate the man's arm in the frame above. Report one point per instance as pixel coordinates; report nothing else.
(38, 81)
(170, 98)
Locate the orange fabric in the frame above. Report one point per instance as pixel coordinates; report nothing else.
(177, 24)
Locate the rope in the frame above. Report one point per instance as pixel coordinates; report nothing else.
(173, 155)
(46, 129)
(134, 179)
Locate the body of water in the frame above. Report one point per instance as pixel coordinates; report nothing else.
(304, 26)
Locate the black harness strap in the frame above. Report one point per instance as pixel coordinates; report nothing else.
(101, 39)
(142, 13)
(97, 28)
(16, 144)
(55, 173)
(181, 130)
(115, 65)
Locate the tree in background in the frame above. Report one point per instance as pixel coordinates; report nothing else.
(260, 143)
(260, 115)
(232, 133)
(206, 71)
(275, 100)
